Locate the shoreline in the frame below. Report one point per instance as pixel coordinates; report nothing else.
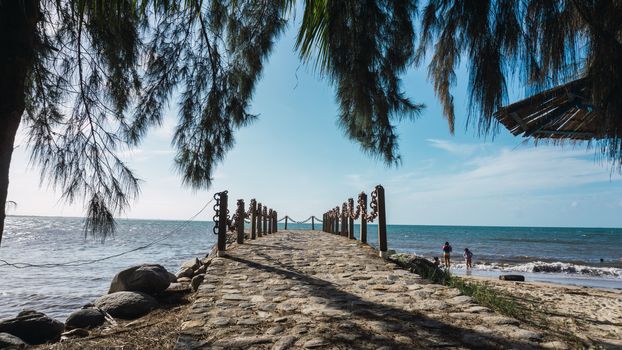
(591, 315)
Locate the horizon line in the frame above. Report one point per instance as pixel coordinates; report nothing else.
(371, 224)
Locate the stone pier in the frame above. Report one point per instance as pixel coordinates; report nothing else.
(310, 289)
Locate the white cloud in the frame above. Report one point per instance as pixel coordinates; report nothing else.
(508, 172)
(463, 149)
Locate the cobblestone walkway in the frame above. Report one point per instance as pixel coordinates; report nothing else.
(309, 289)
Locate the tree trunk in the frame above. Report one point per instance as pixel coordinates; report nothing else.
(18, 22)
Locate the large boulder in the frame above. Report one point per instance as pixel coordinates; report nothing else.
(9, 341)
(85, 318)
(126, 305)
(147, 278)
(33, 327)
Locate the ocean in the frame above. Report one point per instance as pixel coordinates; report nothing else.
(560, 255)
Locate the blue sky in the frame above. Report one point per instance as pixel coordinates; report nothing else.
(296, 159)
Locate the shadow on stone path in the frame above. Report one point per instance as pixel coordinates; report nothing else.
(308, 289)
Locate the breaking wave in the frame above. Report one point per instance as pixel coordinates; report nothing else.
(552, 268)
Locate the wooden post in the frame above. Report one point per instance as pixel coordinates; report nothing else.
(259, 220)
(286, 217)
(265, 220)
(222, 224)
(344, 218)
(270, 216)
(350, 220)
(312, 223)
(275, 221)
(253, 219)
(240, 223)
(382, 222)
(351, 228)
(336, 228)
(363, 229)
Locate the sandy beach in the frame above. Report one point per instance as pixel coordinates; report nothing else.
(593, 315)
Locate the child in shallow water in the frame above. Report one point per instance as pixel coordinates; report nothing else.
(468, 258)
(446, 248)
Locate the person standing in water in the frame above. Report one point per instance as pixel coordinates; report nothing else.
(446, 254)
(468, 258)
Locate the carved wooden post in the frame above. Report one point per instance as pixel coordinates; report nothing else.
(240, 223)
(336, 228)
(259, 220)
(363, 229)
(344, 218)
(329, 222)
(265, 220)
(222, 223)
(270, 216)
(350, 219)
(253, 218)
(382, 222)
(286, 217)
(313, 223)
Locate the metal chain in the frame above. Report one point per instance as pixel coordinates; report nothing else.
(249, 212)
(374, 206)
(217, 213)
(361, 208)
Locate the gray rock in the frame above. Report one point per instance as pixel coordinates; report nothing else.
(201, 269)
(33, 327)
(184, 279)
(191, 264)
(284, 343)
(314, 343)
(196, 282)
(171, 277)
(241, 342)
(275, 330)
(85, 318)
(184, 273)
(126, 305)
(9, 341)
(147, 278)
(178, 288)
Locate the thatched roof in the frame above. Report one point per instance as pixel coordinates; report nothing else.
(563, 112)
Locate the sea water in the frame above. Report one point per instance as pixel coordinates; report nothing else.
(561, 255)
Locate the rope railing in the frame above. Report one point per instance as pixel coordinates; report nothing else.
(340, 220)
(311, 218)
(263, 220)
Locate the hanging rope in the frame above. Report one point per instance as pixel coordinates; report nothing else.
(22, 265)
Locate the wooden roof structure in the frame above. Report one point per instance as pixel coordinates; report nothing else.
(563, 112)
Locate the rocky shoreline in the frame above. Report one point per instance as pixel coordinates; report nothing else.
(134, 293)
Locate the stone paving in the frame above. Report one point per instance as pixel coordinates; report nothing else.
(309, 289)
